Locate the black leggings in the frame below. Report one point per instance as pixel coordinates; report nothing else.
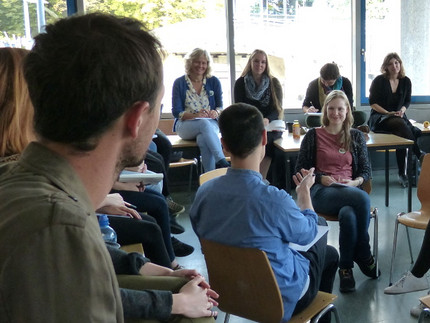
(403, 128)
(422, 265)
(145, 231)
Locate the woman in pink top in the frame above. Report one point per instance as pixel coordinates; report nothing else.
(339, 155)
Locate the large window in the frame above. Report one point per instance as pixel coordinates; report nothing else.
(401, 26)
(21, 20)
(299, 37)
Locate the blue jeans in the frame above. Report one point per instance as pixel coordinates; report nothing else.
(352, 205)
(205, 131)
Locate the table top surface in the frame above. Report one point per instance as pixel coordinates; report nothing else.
(178, 142)
(421, 127)
(373, 140)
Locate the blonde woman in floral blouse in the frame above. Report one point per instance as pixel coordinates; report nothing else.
(196, 105)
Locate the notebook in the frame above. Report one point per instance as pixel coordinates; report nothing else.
(127, 176)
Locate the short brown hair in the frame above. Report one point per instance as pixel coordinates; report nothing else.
(329, 71)
(107, 65)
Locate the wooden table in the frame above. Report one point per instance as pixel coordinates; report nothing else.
(425, 131)
(375, 141)
(178, 142)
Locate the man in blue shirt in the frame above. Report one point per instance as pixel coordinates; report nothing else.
(256, 215)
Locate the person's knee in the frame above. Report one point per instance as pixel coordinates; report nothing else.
(332, 256)
(205, 125)
(346, 216)
(322, 221)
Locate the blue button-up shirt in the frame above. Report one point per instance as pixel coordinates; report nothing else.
(239, 209)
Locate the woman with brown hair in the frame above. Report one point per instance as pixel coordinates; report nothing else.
(390, 96)
(258, 87)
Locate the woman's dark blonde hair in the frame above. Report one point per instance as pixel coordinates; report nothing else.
(247, 70)
(345, 134)
(195, 54)
(16, 110)
(386, 62)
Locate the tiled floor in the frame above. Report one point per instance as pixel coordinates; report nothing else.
(368, 303)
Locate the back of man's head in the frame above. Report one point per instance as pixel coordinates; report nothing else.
(241, 127)
(86, 71)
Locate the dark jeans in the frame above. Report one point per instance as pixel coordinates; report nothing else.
(323, 263)
(352, 205)
(155, 205)
(145, 231)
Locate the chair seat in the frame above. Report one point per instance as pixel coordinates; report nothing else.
(320, 302)
(183, 162)
(416, 219)
(329, 217)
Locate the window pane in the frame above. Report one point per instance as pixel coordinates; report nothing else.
(299, 37)
(20, 20)
(203, 27)
(181, 26)
(402, 27)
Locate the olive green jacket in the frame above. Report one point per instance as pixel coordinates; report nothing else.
(54, 266)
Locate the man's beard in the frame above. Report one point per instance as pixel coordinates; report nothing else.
(130, 157)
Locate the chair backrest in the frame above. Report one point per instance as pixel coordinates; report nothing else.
(367, 186)
(423, 190)
(244, 280)
(166, 126)
(212, 174)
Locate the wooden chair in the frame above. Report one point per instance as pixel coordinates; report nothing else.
(367, 187)
(248, 288)
(415, 219)
(136, 247)
(212, 174)
(425, 300)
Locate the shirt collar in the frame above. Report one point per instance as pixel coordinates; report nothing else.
(239, 171)
(51, 165)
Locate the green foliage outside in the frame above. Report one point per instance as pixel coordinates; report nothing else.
(154, 14)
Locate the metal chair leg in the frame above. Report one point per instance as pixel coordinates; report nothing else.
(424, 313)
(409, 244)
(393, 254)
(328, 308)
(375, 238)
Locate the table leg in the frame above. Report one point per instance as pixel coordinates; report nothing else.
(409, 169)
(387, 177)
(288, 175)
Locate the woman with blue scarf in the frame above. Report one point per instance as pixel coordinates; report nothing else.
(196, 105)
(257, 86)
(329, 80)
